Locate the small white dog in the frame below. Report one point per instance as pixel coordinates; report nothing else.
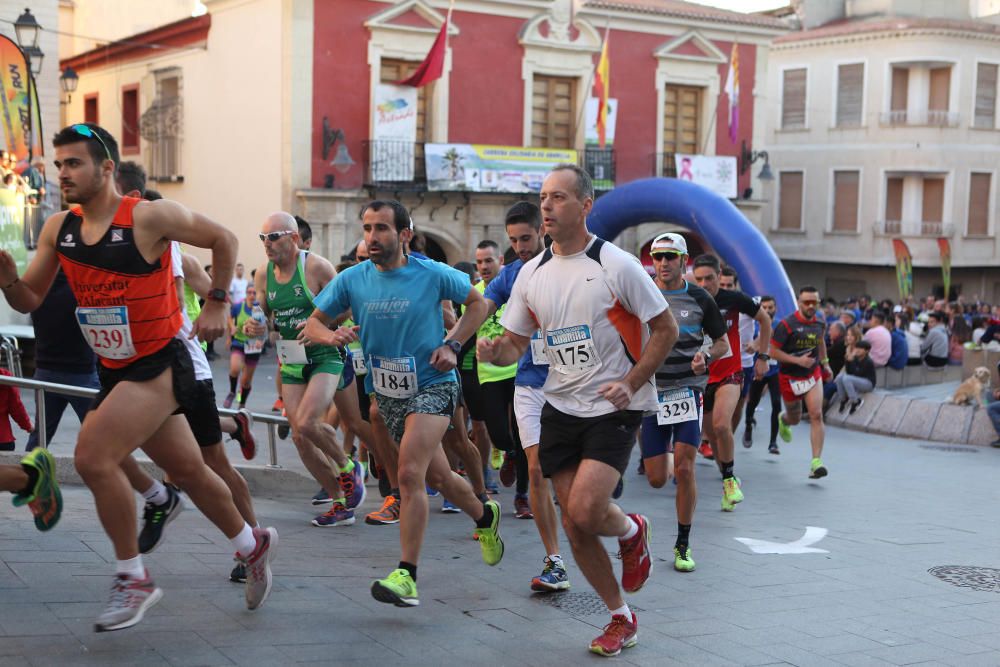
(972, 389)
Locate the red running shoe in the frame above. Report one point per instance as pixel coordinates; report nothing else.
(508, 471)
(243, 435)
(705, 450)
(620, 633)
(636, 561)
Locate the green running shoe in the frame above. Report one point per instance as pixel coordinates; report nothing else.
(398, 588)
(784, 430)
(731, 490)
(817, 469)
(45, 499)
(682, 559)
(489, 538)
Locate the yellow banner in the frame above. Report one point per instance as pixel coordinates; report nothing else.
(12, 227)
(19, 114)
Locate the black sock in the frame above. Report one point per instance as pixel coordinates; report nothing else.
(486, 520)
(395, 492)
(32, 474)
(232, 383)
(727, 469)
(521, 463)
(409, 567)
(683, 534)
(244, 393)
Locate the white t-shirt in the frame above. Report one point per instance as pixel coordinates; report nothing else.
(746, 337)
(592, 316)
(202, 371)
(238, 290)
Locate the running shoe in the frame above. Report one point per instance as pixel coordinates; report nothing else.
(448, 508)
(620, 633)
(773, 448)
(817, 469)
(843, 404)
(283, 430)
(496, 459)
(748, 433)
(244, 434)
(398, 588)
(431, 491)
(130, 598)
(322, 497)
(44, 499)
(522, 508)
(619, 489)
(388, 514)
(682, 559)
(279, 406)
(731, 490)
(636, 561)
(553, 578)
(352, 484)
(490, 477)
(228, 403)
(337, 515)
(155, 519)
(642, 467)
(508, 471)
(239, 574)
(258, 566)
(489, 538)
(856, 405)
(784, 430)
(705, 450)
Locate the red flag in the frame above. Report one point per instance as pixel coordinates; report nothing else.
(433, 66)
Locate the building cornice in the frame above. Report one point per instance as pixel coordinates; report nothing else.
(186, 33)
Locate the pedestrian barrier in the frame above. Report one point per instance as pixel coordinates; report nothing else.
(39, 387)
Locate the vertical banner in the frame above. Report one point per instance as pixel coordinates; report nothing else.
(904, 268)
(945, 247)
(12, 227)
(394, 132)
(591, 136)
(18, 111)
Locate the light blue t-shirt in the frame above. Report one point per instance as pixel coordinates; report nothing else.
(498, 291)
(399, 313)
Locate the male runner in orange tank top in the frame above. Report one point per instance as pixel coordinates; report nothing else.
(115, 252)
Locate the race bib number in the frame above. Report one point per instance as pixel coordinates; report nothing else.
(292, 352)
(395, 377)
(107, 332)
(676, 406)
(253, 346)
(802, 387)
(360, 368)
(538, 350)
(571, 350)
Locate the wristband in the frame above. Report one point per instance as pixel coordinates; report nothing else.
(217, 294)
(16, 281)
(825, 360)
(454, 345)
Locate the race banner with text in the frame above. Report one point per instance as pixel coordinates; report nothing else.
(12, 227)
(482, 168)
(394, 133)
(20, 119)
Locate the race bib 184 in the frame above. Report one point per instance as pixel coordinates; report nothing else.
(676, 406)
(106, 330)
(571, 350)
(395, 377)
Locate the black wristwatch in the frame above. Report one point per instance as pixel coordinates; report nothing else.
(217, 294)
(455, 346)
(764, 357)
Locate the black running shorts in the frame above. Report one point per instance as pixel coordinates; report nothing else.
(566, 439)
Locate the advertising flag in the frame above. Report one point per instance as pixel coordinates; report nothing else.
(904, 268)
(19, 116)
(602, 88)
(945, 247)
(733, 91)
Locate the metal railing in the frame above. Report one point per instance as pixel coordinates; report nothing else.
(664, 165)
(393, 164)
(914, 228)
(600, 164)
(39, 387)
(926, 117)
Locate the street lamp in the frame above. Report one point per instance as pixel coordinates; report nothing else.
(26, 28)
(34, 56)
(748, 157)
(68, 81)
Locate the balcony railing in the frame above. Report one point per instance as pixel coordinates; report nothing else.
(397, 165)
(664, 165)
(600, 164)
(914, 228)
(924, 117)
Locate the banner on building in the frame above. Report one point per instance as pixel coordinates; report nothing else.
(12, 227)
(715, 172)
(904, 268)
(944, 245)
(20, 120)
(394, 132)
(592, 136)
(483, 168)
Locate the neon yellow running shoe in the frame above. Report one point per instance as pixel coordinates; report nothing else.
(398, 588)
(682, 559)
(496, 459)
(731, 490)
(784, 430)
(817, 469)
(45, 499)
(489, 538)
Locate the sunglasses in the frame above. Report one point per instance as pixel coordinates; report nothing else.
(85, 131)
(665, 255)
(274, 236)
(811, 302)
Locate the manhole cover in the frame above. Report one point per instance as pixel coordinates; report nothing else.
(966, 576)
(951, 448)
(577, 603)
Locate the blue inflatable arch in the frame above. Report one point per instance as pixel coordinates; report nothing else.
(714, 218)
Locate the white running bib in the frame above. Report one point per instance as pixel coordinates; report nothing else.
(107, 332)
(394, 377)
(253, 346)
(802, 387)
(359, 362)
(292, 352)
(571, 349)
(675, 406)
(538, 357)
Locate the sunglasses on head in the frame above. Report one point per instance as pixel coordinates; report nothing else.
(274, 236)
(665, 255)
(85, 131)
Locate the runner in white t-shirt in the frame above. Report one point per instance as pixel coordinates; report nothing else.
(592, 303)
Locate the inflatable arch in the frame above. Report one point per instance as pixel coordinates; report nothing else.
(714, 218)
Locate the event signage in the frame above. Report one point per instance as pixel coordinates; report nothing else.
(715, 172)
(483, 168)
(394, 132)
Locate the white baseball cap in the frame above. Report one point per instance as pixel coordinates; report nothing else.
(669, 242)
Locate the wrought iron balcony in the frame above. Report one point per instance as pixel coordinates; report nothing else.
(395, 165)
(914, 229)
(600, 164)
(924, 117)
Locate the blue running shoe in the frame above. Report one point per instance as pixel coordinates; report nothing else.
(553, 578)
(353, 485)
(337, 515)
(448, 508)
(432, 492)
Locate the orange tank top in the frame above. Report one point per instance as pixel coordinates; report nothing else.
(127, 307)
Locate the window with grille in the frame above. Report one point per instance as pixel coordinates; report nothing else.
(553, 111)
(845, 200)
(682, 107)
(850, 94)
(986, 96)
(162, 126)
(790, 200)
(793, 99)
(979, 204)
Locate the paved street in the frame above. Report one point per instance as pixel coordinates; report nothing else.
(893, 509)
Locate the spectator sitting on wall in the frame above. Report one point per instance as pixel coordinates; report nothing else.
(978, 328)
(934, 348)
(991, 333)
(900, 354)
(961, 333)
(836, 346)
(858, 378)
(879, 338)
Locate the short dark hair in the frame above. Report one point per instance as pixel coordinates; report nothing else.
(152, 195)
(486, 243)
(938, 315)
(730, 271)
(468, 268)
(400, 216)
(131, 176)
(524, 212)
(584, 184)
(709, 260)
(863, 344)
(807, 288)
(305, 230)
(767, 298)
(68, 135)
(878, 315)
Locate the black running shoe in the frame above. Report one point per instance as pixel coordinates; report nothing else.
(155, 519)
(239, 574)
(283, 430)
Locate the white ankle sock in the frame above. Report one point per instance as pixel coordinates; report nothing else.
(156, 494)
(131, 567)
(622, 611)
(244, 543)
(633, 529)
(555, 558)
